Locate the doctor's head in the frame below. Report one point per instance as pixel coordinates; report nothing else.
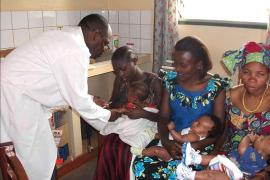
(97, 33)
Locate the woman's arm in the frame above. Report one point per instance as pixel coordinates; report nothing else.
(117, 98)
(141, 113)
(219, 106)
(171, 146)
(218, 111)
(189, 138)
(157, 90)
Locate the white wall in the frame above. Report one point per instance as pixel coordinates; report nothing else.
(221, 39)
(134, 26)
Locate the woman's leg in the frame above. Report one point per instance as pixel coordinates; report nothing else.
(145, 167)
(211, 175)
(184, 173)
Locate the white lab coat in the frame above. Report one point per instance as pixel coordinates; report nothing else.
(48, 71)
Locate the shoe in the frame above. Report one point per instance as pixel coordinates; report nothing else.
(222, 163)
(189, 155)
(184, 173)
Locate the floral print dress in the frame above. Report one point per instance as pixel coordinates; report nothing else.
(185, 107)
(240, 124)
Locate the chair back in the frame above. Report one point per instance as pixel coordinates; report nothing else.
(10, 165)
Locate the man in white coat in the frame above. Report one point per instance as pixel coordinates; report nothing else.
(49, 71)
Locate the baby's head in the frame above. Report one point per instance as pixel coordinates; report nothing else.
(207, 126)
(137, 92)
(261, 144)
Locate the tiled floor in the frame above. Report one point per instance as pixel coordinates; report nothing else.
(87, 170)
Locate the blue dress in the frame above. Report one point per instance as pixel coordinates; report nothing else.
(250, 162)
(186, 106)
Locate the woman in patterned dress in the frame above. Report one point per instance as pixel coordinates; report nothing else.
(115, 157)
(189, 92)
(248, 105)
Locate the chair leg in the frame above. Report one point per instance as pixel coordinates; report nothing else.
(10, 164)
(3, 163)
(17, 168)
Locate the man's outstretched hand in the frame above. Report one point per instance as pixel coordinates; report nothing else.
(101, 102)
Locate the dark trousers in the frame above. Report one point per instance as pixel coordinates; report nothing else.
(54, 175)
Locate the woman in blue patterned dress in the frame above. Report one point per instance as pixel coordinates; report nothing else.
(189, 92)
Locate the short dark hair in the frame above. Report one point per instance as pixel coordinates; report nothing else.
(123, 53)
(216, 131)
(141, 89)
(95, 22)
(197, 49)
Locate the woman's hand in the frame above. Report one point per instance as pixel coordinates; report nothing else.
(114, 115)
(174, 148)
(252, 136)
(135, 113)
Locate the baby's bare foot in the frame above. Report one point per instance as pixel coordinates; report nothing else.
(158, 151)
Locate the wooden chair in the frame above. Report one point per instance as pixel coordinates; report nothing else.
(10, 165)
(4, 53)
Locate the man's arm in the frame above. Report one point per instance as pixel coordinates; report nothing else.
(71, 78)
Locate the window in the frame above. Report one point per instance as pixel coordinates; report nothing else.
(251, 11)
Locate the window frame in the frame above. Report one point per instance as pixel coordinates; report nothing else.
(222, 23)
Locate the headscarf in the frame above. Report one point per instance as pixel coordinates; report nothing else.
(250, 52)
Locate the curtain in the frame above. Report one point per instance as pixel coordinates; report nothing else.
(165, 31)
(268, 29)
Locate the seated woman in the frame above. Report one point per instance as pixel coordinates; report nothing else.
(192, 93)
(248, 104)
(137, 133)
(115, 157)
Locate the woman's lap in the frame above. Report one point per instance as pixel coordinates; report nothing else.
(114, 159)
(153, 168)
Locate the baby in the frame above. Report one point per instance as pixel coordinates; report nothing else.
(250, 158)
(253, 151)
(135, 132)
(205, 126)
